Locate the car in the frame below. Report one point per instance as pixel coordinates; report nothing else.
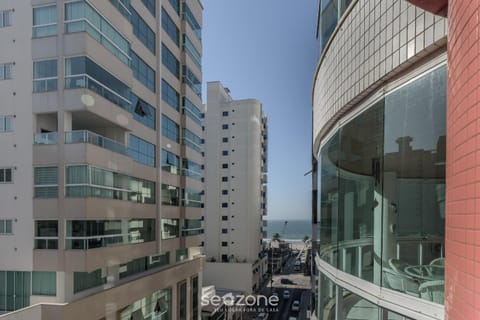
(296, 305)
(286, 294)
(262, 316)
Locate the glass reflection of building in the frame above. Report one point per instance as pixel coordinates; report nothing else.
(380, 154)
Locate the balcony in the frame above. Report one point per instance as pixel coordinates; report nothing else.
(264, 223)
(85, 136)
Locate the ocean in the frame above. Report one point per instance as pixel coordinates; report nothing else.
(295, 229)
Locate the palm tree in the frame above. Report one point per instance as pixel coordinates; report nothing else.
(276, 237)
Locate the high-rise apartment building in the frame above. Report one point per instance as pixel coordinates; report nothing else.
(236, 177)
(102, 165)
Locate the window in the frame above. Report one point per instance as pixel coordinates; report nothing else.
(225, 114)
(224, 139)
(224, 165)
(224, 126)
(176, 5)
(170, 129)
(192, 22)
(191, 140)
(86, 280)
(6, 123)
(170, 195)
(224, 179)
(170, 27)
(141, 30)
(224, 192)
(6, 226)
(44, 21)
(169, 61)
(5, 18)
(192, 52)
(44, 283)
(224, 205)
(46, 182)
(225, 153)
(191, 198)
(45, 75)
(142, 71)
(181, 254)
(170, 95)
(224, 243)
(170, 162)
(192, 111)
(224, 230)
(6, 175)
(170, 228)
(142, 151)
(182, 301)
(84, 181)
(150, 5)
(224, 218)
(46, 234)
(195, 297)
(192, 81)
(80, 16)
(91, 234)
(143, 264)
(142, 111)
(6, 71)
(82, 72)
(224, 258)
(192, 227)
(192, 169)
(123, 6)
(14, 290)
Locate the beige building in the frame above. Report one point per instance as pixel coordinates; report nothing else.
(236, 177)
(101, 175)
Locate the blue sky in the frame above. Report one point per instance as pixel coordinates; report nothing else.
(266, 49)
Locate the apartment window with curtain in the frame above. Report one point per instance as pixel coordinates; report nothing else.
(45, 77)
(6, 71)
(170, 129)
(6, 123)
(170, 95)
(46, 182)
(5, 18)
(44, 21)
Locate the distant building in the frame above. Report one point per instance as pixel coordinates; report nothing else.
(101, 165)
(235, 203)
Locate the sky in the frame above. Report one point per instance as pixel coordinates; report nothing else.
(267, 50)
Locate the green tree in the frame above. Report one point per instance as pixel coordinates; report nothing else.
(276, 237)
(306, 238)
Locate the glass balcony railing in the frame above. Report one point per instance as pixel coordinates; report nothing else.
(84, 136)
(45, 138)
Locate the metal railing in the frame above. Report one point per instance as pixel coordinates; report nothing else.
(85, 136)
(45, 138)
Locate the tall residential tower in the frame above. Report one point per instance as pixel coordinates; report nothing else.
(236, 177)
(101, 171)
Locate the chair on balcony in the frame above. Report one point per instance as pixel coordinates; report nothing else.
(400, 282)
(433, 291)
(397, 265)
(439, 262)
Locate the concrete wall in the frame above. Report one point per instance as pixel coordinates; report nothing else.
(236, 276)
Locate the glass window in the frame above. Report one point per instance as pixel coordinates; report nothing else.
(86, 280)
(181, 254)
(195, 297)
(142, 71)
(6, 71)
(169, 61)
(14, 290)
(170, 162)
(192, 111)
(45, 75)
(46, 182)
(141, 30)
(5, 18)
(157, 304)
(192, 169)
(142, 111)
(182, 301)
(170, 129)
(328, 21)
(81, 16)
(46, 234)
(170, 27)
(170, 195)
(6, 227)
(143, 264)
(192, 227)
(191, 140)
(142, 151)
(190, 49)
(45, 21)
(192, 81)
(170, 95)
(192, 198)
(44, 283)
(82, 72)
(6, 123)
(175, 5)
(123, 6)
(192, 22)
(170, 228)
(150, 5)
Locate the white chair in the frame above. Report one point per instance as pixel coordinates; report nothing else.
(433, 291)
(397, 265)
(439, 262)
(400, 282)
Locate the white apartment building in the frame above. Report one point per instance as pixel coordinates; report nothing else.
(101, 174)
(236, 177)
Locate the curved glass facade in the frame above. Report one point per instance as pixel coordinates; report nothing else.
(330, 13)
(382, 191)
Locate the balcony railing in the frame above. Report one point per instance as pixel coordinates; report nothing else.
(84, 136)
(45, 138)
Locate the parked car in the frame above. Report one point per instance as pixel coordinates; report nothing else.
(296, 305)
(286, 294)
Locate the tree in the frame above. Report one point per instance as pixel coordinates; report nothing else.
(306, 238)
(276, 237)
